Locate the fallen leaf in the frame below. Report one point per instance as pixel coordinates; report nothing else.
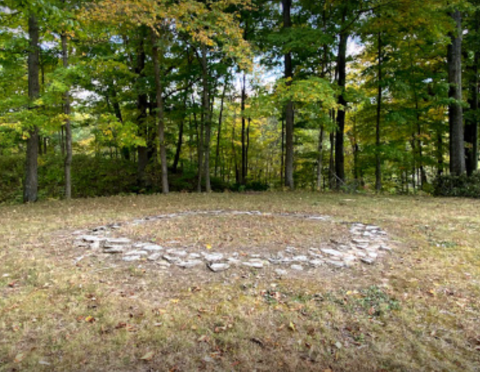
(19, 358)
(292, 326)
(90, 319)
(147, 356)
(208, 246)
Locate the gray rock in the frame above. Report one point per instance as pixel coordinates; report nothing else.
(163, 264)
(281, 272)
(316, 263)
(189, 264)
(91, 238)
(297, 267)
(213, 257)
(195, 255)
(336, 263)
(234, 261)
(372, 228)
(300, 258)
(290, 249)
(114, 249)
(172, 259)
(154, 256)
(360, 241)
(152, 248)
(385, 248)
(332, 252)
(136, 253)
(367, 260)
(362, 246)
(254, 264)
(177, 253)
(117, 241)
(255, 255)
(217, 267)
(131, 258)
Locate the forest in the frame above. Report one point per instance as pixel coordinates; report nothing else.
(135, 96)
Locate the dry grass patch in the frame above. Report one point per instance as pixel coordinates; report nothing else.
(418, 309)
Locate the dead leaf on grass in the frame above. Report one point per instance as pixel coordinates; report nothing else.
(148, 356)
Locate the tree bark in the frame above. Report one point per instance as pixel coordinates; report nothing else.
(455, 117)
(30, 192)
(220, 118)
(180, 134)
(289, 118)
(68, 128)
(471, 124)
(244, 146)
(206, 118)
(378, 169)
(339, 135)
(160, 112)
(320, 158)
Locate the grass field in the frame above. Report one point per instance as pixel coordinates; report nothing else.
(417, 309)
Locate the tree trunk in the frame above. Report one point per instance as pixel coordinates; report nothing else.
(339, 137)
(282, 159)
(455, 117)
(244, 146)
(206, 118)
(378, 169)
(68, 128)
(289, 119)
(180, 134)
(160, 116)
(30, 192)
(471, 125)
(220, 118)
(320, 159)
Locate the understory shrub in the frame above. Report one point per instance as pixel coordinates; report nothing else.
(459, 186)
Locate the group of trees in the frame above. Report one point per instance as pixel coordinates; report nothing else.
(318, 94)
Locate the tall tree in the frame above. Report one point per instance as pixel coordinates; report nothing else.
(455, 117)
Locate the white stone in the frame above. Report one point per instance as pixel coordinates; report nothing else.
(300, 258)
(217, 267)
(131, 258)
(297, 267)
(367, 260)
(316, 263)
(195, 255)
(171, 258)
(114, 249)
(254, 264)
(136, 253)
(117, 241)
(154, 256)
(213, 257)
(281, 272)
(152, 248)
(177, 253)
(189, 264)
(336, 263)
(332, 252)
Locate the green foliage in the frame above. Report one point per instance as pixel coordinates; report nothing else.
(458, 186)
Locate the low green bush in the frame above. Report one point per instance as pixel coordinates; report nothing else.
(459, 186)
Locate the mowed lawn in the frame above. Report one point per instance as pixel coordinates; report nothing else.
(416, 309)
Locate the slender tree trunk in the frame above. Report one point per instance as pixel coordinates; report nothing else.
(282, 159)
(247, 149)
(471, 125)
(160, 113)
(289, 119)
(30, 192)
(339, 138)
(199, 150)
(180, 134)
(243, 99)
(68, 128)
(331, 165)
(378, 169)
(320, 158)
(206, 117)
(457, 148)
(440, 165)
(220, 118)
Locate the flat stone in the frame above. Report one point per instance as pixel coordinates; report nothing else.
(100, 228)
(360, 241)
(281, 272)
(91, 238)
(300, 258)
(372, 255)
(136, 253)
(316, 263)
(318, 218)
(371, 227)
(255, 255)
(332, 252)
(367, 260)
(154, 256)
(234, 261)
(130, 258)
(114, 249)
(189, 264)
(152, 248)
(163, 264)
(297, 267)
(172, 259)
(117, 241)
(385, 248)
(290, 249)
(349, 258)
(336, 263)
(195, 255)
(362, 246)
(254, 264)
(217, 267)
(95, 245)
(213, 257)
(177, 253)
